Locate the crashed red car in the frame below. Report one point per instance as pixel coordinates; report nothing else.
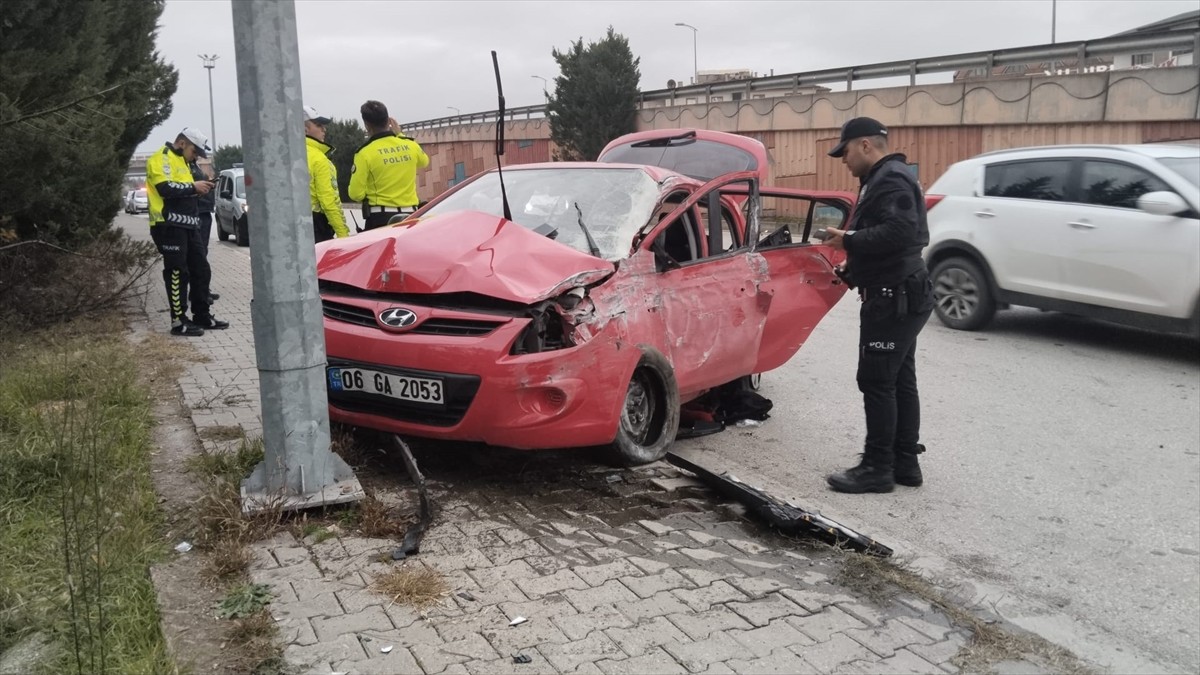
(611, 294)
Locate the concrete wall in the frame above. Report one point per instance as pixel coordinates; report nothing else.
(935, 125)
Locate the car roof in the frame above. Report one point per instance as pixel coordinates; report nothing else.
(1155, 150)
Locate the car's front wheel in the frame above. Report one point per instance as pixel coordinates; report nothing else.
(963, 299)
(650, 412)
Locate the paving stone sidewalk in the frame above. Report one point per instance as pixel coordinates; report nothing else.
(633, 571)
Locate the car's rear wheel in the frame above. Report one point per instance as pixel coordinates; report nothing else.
(963, 299)
(650, 412)
(242, 231)
(222, 235)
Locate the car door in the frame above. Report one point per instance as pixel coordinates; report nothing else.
(800, 282)
(224, 196)
(1122, 257)
(1020, 223)
(711, 307)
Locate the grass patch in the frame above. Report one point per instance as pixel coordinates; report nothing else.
(416, 586)
(244, 600)
(79, 521)
(222, 433)
(880, 580)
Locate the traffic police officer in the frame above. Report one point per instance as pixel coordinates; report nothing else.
(883, 244)
(175, 229)
(328, 219)
(384, 175)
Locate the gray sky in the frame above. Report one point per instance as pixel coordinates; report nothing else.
(419, 58)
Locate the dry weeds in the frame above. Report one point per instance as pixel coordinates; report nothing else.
(221, 433)
(414, 585)
(880, 580)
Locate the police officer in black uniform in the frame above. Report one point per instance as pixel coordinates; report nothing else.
(205, 205)
(883, 244)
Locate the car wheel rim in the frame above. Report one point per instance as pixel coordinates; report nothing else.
(639, 409)
(956, 293)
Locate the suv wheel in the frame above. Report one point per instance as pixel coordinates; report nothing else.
(963, 300)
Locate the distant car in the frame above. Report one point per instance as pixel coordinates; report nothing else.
(231, 209)
(137, 201)
(604, 297)
(1108, 232)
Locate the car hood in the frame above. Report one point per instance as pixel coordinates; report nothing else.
(460, 252)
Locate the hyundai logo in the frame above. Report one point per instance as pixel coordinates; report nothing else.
(397, 317)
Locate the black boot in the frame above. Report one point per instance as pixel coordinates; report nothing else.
(873, 474)
(908, 470)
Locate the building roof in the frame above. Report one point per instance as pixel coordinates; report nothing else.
(1185, 21)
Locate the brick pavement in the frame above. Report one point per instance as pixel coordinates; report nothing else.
(636, 571)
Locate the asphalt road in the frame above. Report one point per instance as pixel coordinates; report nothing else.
(1062, 476)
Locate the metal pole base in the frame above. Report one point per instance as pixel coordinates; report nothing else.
(258, 497)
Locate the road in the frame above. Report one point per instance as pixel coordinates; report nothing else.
(1062, 476)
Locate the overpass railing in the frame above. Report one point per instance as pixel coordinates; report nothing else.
(1173, 40)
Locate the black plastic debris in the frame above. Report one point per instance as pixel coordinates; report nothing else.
(466, 596)
(787, 518)
(412, 537)
(521, 658)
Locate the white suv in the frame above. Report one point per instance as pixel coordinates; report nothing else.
(230, 209)
(1109, 232)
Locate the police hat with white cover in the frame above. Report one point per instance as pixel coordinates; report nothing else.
(310, 113)
(198, 139)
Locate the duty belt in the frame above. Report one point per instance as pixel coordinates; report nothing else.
(879, 292)
(391, 209)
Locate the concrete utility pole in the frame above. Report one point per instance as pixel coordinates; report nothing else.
(1054, 23)
(210, 62)
(299, 470)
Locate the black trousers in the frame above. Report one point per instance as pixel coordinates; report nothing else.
(322, 230)
(887, 366)
(185, 269)
(205, 230)
(380, 219)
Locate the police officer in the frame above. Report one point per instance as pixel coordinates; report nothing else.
(328, 219)
(175, 229)
(384, 175)
(883, 243)
(204, 206)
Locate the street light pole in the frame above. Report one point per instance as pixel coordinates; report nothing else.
(545, 83)
(695, 63)
(1054, 23)
(456, 110)
(210, 61)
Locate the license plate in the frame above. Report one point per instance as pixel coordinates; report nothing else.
(418, 389)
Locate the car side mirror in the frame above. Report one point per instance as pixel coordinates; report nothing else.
(1163, 203)
(226, 194)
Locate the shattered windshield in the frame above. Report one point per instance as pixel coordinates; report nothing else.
(612, 204)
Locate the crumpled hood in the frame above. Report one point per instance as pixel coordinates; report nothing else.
(464, 251)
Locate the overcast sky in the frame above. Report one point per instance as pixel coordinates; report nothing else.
(422, 58)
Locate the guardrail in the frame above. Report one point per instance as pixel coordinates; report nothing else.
(1110, 46)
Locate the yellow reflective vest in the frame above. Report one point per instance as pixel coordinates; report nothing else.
(385, 171)
(170, 189)
(323, 185)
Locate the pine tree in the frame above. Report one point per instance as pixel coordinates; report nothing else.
(80, 87)
(595, 96)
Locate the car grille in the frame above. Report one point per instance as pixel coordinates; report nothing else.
(459, 392)
(435, 326)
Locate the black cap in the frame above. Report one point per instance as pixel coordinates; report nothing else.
(859, 127)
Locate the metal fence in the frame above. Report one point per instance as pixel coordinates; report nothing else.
(1173, 40)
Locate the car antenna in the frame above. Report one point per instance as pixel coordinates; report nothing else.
(500, 137)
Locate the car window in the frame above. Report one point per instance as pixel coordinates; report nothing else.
(730, 238)
(239, 186)
(1036, 179)
(612, 204)
(1115, 184)
(702, 160)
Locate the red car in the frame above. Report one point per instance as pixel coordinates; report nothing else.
(613, 293)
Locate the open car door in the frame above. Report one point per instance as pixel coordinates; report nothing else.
(801, 281)
(708, 282)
